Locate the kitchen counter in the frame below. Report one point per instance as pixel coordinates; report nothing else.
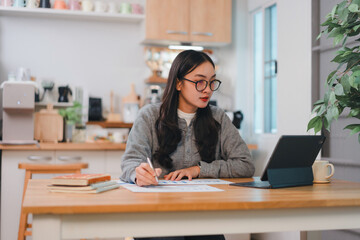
(67, 146)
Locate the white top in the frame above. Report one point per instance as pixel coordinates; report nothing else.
(187, 116)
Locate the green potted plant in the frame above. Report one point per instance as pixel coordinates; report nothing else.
(344, 82)
(72, 116)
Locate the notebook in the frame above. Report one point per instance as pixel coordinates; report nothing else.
(290, 163)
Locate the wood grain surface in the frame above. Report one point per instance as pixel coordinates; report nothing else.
(337, 193)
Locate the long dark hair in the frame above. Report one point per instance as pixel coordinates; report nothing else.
(167, 129)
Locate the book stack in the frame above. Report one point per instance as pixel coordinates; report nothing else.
(82, 183)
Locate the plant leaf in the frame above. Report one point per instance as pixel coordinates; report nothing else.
(339, 90)
(315, 123)
(353, 7)
(354, 128)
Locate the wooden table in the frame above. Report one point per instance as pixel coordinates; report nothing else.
(120, 213)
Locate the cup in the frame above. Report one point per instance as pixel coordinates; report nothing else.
(87, 5)
(323, 171)
(74, 5)
(6, 3)
(100, 6)
(44, 4)
(125, 8)
(136, 8)
(113, 7)
(32, 4)
(19, 3)
(59, 4)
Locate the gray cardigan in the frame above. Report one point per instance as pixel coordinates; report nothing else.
(232, 157)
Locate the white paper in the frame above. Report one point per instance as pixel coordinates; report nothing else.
(173, 188)
(200, 181)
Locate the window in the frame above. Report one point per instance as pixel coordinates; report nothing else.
(264, 55)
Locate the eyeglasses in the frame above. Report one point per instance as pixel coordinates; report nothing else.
(202, 84)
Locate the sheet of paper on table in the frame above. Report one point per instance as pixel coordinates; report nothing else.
(195, 185)
(172, 188)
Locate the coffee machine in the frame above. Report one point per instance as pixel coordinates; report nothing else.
(64, 92)
(18, 111)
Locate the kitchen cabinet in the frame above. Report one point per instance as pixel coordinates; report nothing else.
(12, 178)
(205, 22)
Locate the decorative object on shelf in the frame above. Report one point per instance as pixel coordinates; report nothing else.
(72, 116)
(113, 117)
(130, 106)
(343, 84)
(48, 125)
(60, 4)
(44, 4)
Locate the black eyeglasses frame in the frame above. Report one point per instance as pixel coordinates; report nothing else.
(207, 83)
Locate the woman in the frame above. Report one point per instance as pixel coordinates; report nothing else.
(184, 136)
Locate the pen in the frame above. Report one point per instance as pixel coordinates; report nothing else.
(149, 162)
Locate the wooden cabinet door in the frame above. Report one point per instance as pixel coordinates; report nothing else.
(167, 20)
(210, 21)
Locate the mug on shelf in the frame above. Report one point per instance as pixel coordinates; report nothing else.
(19, 3)
(44, 4)
(87, 5)
(6, 3)
(32, 3)
(113, 7)
(60, 4)
(100, 6)
(74, 5)
(136, 8)
(323, 171)
(125, 8)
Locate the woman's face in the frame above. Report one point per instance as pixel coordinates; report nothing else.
(191, 99)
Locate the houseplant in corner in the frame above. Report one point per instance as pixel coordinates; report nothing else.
(72, 116)
(343, 84)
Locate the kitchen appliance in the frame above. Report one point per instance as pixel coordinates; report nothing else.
(64, 92)
(95, 109)
(18, 108)
(153, 94)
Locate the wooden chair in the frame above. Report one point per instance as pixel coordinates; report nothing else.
(31, 169)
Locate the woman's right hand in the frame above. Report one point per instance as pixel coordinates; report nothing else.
(145, 175)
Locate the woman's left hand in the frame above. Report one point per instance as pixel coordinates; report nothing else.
(190, 173)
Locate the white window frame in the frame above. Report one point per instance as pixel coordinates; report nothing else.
(261, 7)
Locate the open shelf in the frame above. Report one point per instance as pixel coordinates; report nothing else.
(105, 124)
(68, 14)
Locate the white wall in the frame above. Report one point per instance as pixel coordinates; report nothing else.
(99, 56)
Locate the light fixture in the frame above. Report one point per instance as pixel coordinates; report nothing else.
(186, 47)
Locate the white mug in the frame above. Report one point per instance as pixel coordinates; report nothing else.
(32, 3)
(323, 171)
(87, 5)
(100, 6)
(113, 7)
